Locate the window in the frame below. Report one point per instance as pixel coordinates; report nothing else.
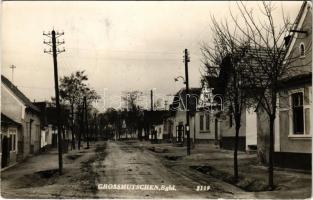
(12, 139)
(302, 50)
(207, 122)
(297, 110)
(201, 122)
(10, 143)
(13, 142)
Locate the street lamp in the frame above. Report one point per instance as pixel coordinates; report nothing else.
(177, 79)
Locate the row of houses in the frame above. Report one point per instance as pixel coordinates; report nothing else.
(210, 122)
(26, 127)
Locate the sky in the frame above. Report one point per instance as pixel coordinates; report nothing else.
(122, 46)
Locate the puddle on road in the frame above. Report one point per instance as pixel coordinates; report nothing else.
(37, 179)
(173, 158)
(47, 173)
(73, 157)
(158, 150)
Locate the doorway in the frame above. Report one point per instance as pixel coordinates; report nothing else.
(180, 132)
(216, 131)
(5, 151)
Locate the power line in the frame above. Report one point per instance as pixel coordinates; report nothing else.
(161, 53)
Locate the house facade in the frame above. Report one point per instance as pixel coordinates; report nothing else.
(18, 108)
(247, 133)
(204, 126)
(159, 131)
(179, 107)
(292, 135)
(207, 120)
(48, 125)
(157, 120)
(217, 117)
(168, 128)
(9, 132)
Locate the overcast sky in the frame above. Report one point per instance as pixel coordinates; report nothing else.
(121, 45)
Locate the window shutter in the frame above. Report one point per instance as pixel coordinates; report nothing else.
(283, 100)
(284, 122)
(307, 121)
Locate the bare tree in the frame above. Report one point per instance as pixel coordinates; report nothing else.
(266, 62)
(223, 59)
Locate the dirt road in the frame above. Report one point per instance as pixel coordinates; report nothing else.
(127, 164)
(109, 163)
(133, 169)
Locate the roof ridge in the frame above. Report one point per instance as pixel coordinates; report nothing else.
(19, 94)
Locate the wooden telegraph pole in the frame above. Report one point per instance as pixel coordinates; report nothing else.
(186, 60)
(54, 52)
(151, 100)
(86, 120)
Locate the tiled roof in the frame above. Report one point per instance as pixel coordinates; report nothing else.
(181, 95)
(217, 83)
(18, 94)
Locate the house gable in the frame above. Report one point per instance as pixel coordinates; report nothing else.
(11, 106)
(301, 64)
(306, 7)
(18, 94)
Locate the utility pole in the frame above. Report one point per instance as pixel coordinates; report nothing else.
(151, 97)
(86, 121)
(12, 67)
(186, 60)
(54, 52)
(151, 114)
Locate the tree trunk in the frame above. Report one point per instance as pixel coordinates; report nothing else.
(118, 132)
(86, 123)
(72, 127)
(236, 177)
(270, 156)
(81, 130)
(78, 136)
(87, 134)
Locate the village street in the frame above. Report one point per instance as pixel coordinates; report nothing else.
(138, 163)
(156, 100)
